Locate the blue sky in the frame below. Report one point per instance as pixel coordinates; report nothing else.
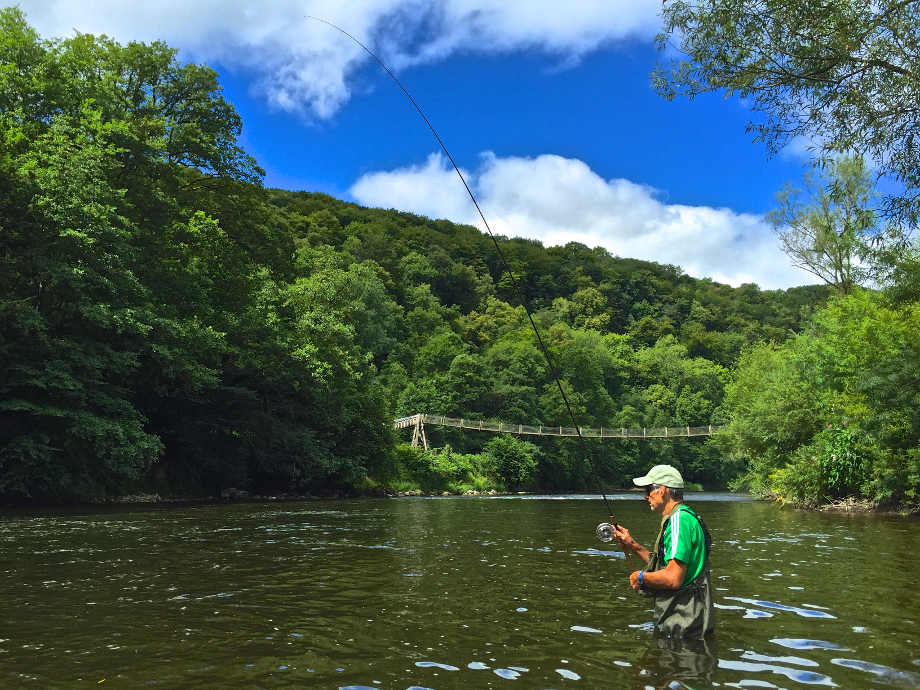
(545, 106)
(601, 111)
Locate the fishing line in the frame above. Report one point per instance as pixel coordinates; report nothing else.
(501, 256)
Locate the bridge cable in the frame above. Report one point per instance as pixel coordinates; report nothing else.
(501, 256)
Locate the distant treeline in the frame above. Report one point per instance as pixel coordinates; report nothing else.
(171, 326)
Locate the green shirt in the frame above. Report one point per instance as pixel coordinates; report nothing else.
(683, 539)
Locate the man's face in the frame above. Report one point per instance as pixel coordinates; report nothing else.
(656, 495)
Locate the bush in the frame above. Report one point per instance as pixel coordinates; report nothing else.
(515, 461)
(441, 469)
(895, 479)
(835, 464)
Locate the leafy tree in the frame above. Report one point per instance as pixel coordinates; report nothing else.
(74, 314)
(587, 309)
(324, 228)
(349, 422)
(518, 370)
(439, 352)
(830, 236)
(841, 74)
(491, 321)
(425, 315)
(774, 409)
(470, 385)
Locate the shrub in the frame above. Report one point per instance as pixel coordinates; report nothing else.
(515, 461)
(835, 464)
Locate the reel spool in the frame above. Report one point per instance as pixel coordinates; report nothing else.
(604, 532)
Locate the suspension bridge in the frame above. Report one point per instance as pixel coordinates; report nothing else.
(417, 423)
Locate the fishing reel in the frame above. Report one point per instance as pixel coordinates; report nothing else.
(604, 532)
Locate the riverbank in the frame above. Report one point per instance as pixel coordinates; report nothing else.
(851, 504)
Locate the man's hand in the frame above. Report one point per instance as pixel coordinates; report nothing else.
(634, 580)
(624, 539)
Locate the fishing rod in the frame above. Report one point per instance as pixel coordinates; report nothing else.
(603, 531)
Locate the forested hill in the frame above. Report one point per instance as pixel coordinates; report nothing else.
(598, 291)
(171, 326)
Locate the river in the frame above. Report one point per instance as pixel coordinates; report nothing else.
(453, 592)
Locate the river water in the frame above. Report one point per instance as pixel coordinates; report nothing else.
(445, 593)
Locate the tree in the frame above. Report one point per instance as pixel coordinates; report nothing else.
(830, 236)
(775, 408)
(843, 74)
(74, 315)
(517, 369)
(587, 309)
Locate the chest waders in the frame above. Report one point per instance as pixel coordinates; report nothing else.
(688, 611)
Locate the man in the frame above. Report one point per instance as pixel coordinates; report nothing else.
(677, 574)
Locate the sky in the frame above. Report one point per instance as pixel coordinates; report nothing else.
(545, 106)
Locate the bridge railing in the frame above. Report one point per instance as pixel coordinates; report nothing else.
(528, 429)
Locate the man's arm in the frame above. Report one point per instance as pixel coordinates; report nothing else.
(670, 577)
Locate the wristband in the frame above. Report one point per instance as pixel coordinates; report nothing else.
(641, 580)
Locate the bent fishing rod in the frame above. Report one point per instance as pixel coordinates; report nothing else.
(601, 533)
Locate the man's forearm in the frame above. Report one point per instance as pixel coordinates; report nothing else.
(639, 550)
(670, 577)
(660, 579)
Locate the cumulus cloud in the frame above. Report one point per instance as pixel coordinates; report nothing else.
(558, 200)
(305, 66)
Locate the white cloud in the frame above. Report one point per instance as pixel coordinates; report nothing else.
(558, 200)
(304, 66)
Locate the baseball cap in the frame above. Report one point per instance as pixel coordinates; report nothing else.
(665, 475)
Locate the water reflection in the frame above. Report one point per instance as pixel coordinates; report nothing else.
(883, 672)
(806, 644)
(693, 661)
(434, 664)
(807, 677)
(805, 612)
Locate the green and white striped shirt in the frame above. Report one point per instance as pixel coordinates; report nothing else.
(683, 539)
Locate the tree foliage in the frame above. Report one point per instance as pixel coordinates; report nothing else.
(842, 74)
(830, 235)
(148, 338)
(832, 412)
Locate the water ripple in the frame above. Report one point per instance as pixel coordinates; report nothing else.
(804, 612)
(807, 677)
(435, 664)
(884, 672)
(798, 643)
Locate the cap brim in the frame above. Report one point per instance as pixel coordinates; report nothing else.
(643, 481)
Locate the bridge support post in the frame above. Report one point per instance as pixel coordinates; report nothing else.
(418, 433)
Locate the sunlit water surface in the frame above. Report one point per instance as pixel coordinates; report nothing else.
(445, 593)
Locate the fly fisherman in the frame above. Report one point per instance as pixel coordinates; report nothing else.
(677, 575)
